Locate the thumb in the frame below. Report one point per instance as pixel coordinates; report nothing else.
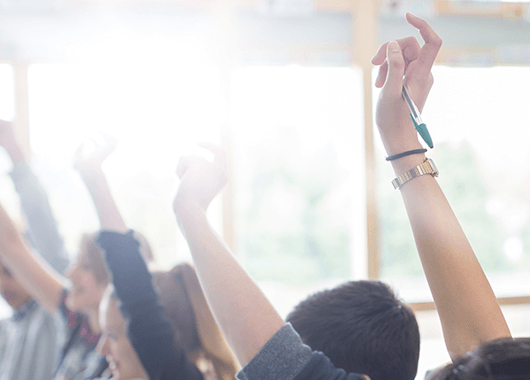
(396, 70)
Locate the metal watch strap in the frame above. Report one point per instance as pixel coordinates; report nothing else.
(427, 167)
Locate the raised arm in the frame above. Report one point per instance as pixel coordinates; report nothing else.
(88, 163)
(43, 229)
(245, 316)
(466, 304)
(40, 280)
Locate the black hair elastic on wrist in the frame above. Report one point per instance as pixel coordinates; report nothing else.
(407, 153)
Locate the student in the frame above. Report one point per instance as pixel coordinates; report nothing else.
(139, 341)
(270, 349)
(361, 325)
(265, 346)
(114, 343)
(466, 304)
(137, 338)
(74, 307)
(163, 357)
(501, 359)
(29, 340)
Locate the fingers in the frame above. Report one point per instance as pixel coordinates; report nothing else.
(219, 154)
(186, 161)
(410, 48)
(380, 56)
(432, 45)
(381, 76)
(396, 70)
(409, 45)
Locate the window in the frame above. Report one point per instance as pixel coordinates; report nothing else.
(156, 112)
(477, 118)
(298, 157)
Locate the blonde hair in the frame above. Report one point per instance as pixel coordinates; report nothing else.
(95, 258)
(93, 255)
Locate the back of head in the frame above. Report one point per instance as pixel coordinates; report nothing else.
(187, 309)
(363, 328)
(501, 359)
(178, 309)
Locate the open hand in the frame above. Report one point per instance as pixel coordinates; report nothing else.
(201, 180)
(404, 62)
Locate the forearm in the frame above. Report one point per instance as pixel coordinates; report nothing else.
(130, 276)
(37, 277)
(245, 316)
(39, 215)
(467, 306)
(109, 216)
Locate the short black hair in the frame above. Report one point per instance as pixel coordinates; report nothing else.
(362, 327)
(504, 358)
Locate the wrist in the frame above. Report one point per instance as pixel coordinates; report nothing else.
(188, 215)
(91, 174)
(403, 164)
(396, 145)
(185, 210)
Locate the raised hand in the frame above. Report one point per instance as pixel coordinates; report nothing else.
(201, 180)
(91, 154)
(404, 61)
(88, 160)
(248, 320)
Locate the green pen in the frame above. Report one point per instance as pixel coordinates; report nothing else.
(416, 119)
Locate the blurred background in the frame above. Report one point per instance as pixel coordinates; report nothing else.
(286, 86)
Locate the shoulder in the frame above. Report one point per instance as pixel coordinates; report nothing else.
(320, 367)
(285, 356)
(282, 357)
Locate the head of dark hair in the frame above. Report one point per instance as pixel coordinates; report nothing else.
(501, 359)
(363, 328)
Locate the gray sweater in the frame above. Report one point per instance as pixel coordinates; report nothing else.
(285, 357)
